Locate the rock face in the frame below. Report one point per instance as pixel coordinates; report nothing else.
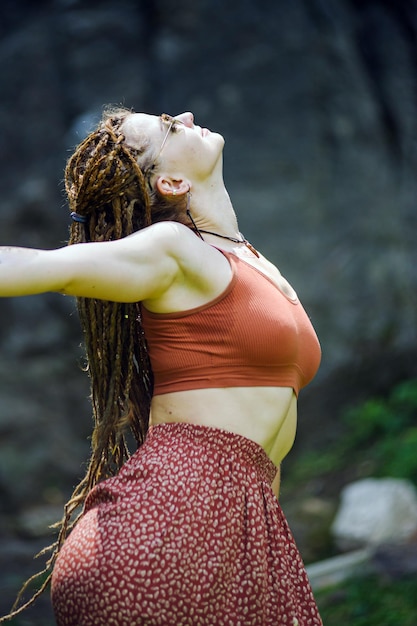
(376, 511)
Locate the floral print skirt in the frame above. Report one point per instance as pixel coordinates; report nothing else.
(189, 533)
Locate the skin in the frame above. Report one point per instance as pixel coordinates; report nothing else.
(170, 269)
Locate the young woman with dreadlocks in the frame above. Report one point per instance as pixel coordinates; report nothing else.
(199, 346)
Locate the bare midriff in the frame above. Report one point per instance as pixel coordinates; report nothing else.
(267, 415)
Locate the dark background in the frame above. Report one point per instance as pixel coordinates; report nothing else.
(317, 102)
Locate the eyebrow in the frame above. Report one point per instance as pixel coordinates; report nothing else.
(161, 126)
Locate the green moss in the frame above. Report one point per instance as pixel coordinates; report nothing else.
(370, 602)
(380, 440)
(388, 425)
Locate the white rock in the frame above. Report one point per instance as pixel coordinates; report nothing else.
(374, 511)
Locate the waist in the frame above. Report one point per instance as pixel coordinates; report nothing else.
(202, 442)
(266, 415)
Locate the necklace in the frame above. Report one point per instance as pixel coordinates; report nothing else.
(234, 239)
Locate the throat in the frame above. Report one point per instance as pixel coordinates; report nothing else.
(234, 239)
(241, 240)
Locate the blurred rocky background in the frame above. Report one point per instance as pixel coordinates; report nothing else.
(317, 102)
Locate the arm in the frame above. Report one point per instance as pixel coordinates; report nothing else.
(137, 267)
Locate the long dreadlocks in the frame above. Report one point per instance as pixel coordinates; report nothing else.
(111, 197)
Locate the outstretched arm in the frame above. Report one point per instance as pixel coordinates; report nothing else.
(137, 267)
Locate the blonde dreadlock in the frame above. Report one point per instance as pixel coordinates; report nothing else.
(111, 197)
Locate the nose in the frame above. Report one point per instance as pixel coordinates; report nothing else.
(187, 118)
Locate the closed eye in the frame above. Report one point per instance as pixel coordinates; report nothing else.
(174, 123)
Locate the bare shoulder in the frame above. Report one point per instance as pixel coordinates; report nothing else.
(194, 255)
(170, 237)
(162, 235)
(202, 271)
(178, 241)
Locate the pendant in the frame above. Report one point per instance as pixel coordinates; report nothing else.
(251, 248)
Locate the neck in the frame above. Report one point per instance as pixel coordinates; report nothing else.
(241, 239)
(212, 211)
(236, 238)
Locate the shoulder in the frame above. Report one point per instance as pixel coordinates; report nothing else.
(173, 242)
(177, 243)
(168, 234)
(199, 272)
(171, 239)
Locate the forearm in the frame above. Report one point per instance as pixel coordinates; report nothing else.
(21, 272)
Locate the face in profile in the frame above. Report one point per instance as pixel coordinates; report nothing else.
(180, 147)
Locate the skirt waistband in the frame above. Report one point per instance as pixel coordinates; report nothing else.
(234, 448)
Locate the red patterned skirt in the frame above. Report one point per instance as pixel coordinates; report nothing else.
(189, 533)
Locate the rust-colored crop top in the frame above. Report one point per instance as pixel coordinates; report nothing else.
(251, 335)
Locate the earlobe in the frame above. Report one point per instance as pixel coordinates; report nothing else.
(172, 186)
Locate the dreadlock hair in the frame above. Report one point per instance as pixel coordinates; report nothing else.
(112, 197)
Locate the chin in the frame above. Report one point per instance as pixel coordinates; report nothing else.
(219, 139)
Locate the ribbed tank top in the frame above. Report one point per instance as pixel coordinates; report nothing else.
(251, 335)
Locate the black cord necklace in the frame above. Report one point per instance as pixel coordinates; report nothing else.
(234, 239)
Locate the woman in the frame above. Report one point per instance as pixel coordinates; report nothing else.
(187, 323)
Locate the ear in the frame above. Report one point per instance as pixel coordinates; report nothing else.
(172, 186)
